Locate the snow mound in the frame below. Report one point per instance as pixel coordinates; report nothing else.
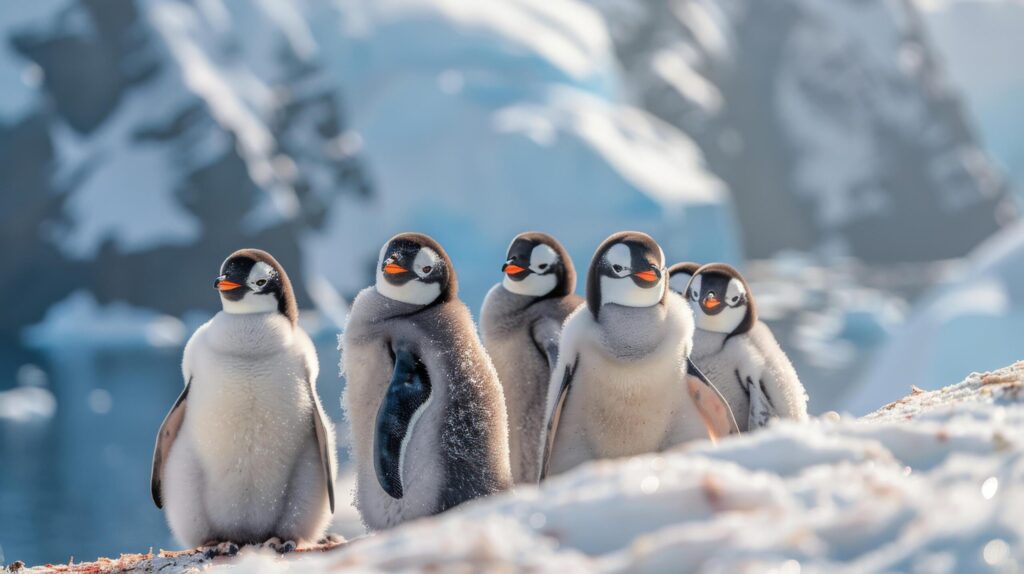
(867, 495)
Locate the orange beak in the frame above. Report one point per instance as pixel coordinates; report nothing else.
(712, 302)
(393, 268)
(226, 285)
(512, 269)
(649, 276)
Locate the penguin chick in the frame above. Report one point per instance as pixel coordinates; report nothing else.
(423, 402)
(520, 322)
(679, 276)
(738, 352)
(246, 455)
(623, 384)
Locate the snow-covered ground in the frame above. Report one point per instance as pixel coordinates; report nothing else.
(931, 483)
(934, 483)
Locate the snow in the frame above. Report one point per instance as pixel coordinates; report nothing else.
(971, 323)
(836, 494)
(80, 320)
(27, 404)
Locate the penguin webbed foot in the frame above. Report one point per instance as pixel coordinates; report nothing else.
(332, 540)
(279, 546)
(213, 549)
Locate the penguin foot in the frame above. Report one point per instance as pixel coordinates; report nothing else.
(214, 549)
(332, 540)
(278, 546)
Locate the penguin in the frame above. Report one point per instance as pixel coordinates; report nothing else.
(520, 322)
(679, 276)
(246, 454)
(423, 402)
(623, 384)
(738, 352)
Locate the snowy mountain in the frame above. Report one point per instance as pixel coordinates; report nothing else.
(831, 122)
(144, 140)
(978, 41)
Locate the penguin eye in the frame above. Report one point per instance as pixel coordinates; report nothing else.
(261, 282)
(543, 266)
(427, 269)
(617, 268)
(735, 298)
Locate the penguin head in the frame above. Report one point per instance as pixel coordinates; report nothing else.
(628, 269)
(537, 265)
(721, 300)
(414, 269)
(679, 276)
(252, 281)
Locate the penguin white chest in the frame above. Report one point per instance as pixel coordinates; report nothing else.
(631, 407)
(247, 418)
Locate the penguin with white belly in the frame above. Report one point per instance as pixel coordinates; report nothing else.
(422, 399)
(246, 455)
(520, 323)
(738, 352)
(623, 384)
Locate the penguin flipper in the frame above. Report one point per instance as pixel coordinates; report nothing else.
(762, 409)
(545, 334)
(556, 414)
(712, 406)
(407, 394)
(324, 444)
(164, 441)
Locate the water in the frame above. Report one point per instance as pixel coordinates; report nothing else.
(78, 484)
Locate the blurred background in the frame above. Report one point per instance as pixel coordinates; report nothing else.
(860, 160)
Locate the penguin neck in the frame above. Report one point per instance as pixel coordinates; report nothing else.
(388, 308)
(533, 286)
(633, 332)
(505, 312)
(250, 333)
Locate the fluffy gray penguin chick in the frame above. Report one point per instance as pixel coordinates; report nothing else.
(520, 323)
(623, 384)
(738, 352)
(423, 402)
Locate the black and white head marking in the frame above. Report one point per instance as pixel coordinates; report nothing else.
(679, 276)
(536, 265)
(252, 281)
(628, 269)
(414, 269)
(721, 300)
